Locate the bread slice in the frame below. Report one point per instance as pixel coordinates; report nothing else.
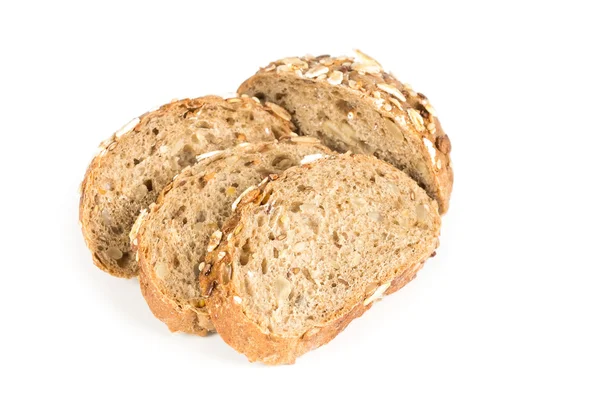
(138, 161)
(352, 104)
(311, 250)
(171, 239)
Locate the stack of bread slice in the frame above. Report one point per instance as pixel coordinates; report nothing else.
(277, 217)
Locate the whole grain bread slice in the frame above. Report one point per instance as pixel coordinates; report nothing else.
(172, 238)
(352, 104)
(139, 160)
(309, 251)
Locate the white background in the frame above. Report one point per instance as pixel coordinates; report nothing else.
(508, 309)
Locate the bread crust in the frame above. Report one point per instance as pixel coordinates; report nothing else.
(363, 79)
(178, 318)
(87, 192)
(230, 319)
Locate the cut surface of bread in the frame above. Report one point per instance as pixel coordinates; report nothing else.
(309, 251)
(137, 162)
(352, 104)
(172, 238)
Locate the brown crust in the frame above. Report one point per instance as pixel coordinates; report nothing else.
(360, 78)
(110, 143)
(230, 320)
(177, 318)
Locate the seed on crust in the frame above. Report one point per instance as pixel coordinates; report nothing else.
(296, 61)
(366, 59)
(335, 78)
(366, 68)
(206, 269)
(430, 149)
(395, 102)
(316, 71)
(394, 91)
(327, 61)
(211, 287)
(443, 144)
(430, 109)
(127, 127)
(377, 294)
(245, 192)
(214, 240)
(416, 119)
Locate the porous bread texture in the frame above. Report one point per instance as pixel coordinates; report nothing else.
(311, 250)
(352, 104)
(137, 162)
(171, 240)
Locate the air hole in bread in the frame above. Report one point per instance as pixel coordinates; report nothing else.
(179, 211)
(201, 217)
(336, 239)
(282, 162)
(264, 172)
(295, 207)
(136, 161)
(275, 252)
(148, 184)
(205, 125)
(344, 106)
(125, 260)
(155, 131)
(303, 188)
(260, 96)
(184, 221)
(264, 266)
(245, 254)
(187, 156)
(313, 224)
(230, 121)
(279, 96)
(261, 220)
